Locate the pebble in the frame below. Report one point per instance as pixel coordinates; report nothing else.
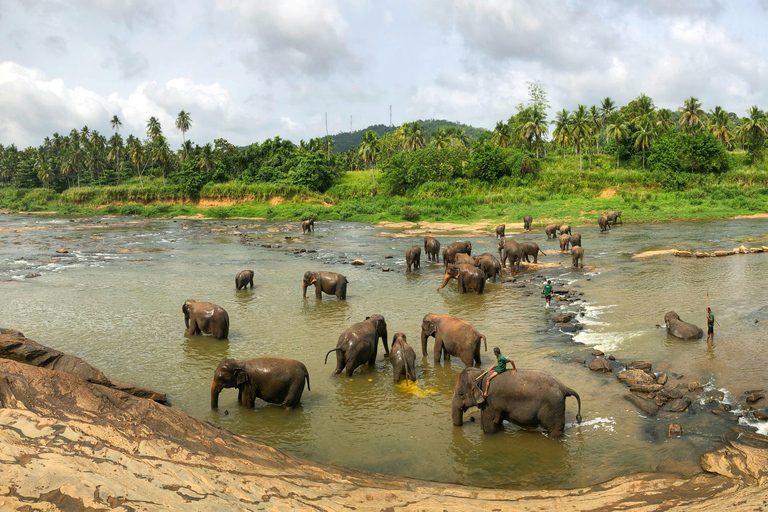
(675, 430)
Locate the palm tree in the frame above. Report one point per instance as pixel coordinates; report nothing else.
(642, 106)
(562, 133)
(368, 150)
(644, 134)
(115, 145)
(458, 135)
(615, 130)
(206, 159)
(43, 169)
(183, 123)
(411, 136)
(664, 119)
(536, 126)
(137, 154)
(116, 123)
(501, 135)
(440, 139)
(753, 129)
(607, 106)
(692, 115)
(720, 125)
(596, 118)
(161, 153)
(579, 128)
(153, 128)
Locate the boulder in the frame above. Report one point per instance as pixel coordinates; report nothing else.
(567, 328)
(645, 405)
(599, 364)
(597, 353)
(639, 365)
(647, 388)
(701, 254)
(358, 262)
(560, 290)
(716, 394)
(662, 378)
(695, 387)
(62, 251)
(720, 253)
(562, 318)
(675, 430)
(753, 250)
(670, 393)
(616, 366)
(761, 415)
(677, 405)
(755, 396)
(635, 378)
(682, 254)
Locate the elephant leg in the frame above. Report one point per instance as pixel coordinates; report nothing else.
(318, 291)
(476, 355)
(340, 363)
(438, 350)
(192, 329)
(294, 394)
(240, 395)
(342, 291)
(466, 358)
(350, 368)
(462, 288)
(489, 419)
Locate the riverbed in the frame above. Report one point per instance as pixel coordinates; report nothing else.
(115, 300)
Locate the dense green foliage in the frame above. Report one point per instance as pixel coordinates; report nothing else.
(344, 141)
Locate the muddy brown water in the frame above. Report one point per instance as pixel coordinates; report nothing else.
(115, 300)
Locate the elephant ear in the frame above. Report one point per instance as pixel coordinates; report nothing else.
(477, 394)
(241, 378)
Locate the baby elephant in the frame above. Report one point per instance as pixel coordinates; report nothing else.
(330, 283)
(274, 380)
(565, 240)
(243, 279)
(204, 317)
(403, 359)
(577, 254)
(413, 257)
(500, 230)
(308, 226)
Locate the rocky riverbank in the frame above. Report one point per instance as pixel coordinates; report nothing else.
(71, 441)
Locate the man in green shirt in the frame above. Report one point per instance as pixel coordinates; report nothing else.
(501, 367)
(710, 326)
(548, 292)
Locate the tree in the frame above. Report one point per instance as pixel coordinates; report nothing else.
(719, 125)
(411, 136)
(753, 129)
(440, 139)
(153, 128)
(664, 119)
(562, 129)
(43, 169)
(579, 128)
(206, 159)
(596, 118)
(184, 123)
(161, 153)
(369, 151)
(616, 130)
(138, 155)
(458, 136)
(501, 135)
(692, 116)
(536, 126)
(115, 146)
(116, 123)
(607, 106)
(643, 135)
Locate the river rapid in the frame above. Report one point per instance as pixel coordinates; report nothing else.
(115, 300)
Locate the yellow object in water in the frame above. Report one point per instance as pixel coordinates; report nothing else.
(411, 387)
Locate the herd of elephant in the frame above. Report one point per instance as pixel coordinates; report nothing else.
(527, 398)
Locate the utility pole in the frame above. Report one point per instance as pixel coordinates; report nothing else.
(350, 124)
(327, 138)
(390, 116)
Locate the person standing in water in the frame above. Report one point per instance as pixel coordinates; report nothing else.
(548, 292)
(501, 367)
(710, 326)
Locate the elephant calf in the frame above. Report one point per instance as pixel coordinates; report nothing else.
(576, 240)
(489, 265)
(330, 283)
(577, 255)
(500, 230)
(468, 276)
(531, 249)
(432, 248)
(358, 345)
(413, 257)
(565, 241)
(204, 317)
(679, 329)
(527, 221)
(551, 230)
(308, 226)
(403, 359)
(274, 380)
(453, 337)
(243, 279)
(602, 221)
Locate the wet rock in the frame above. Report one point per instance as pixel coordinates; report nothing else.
(518, 285)
(682, 254)
(276, 246)
(677, 405)
(716, 394)
(639, 365)
(635, 378)
(560, 290)
(675, 430)
(695, 387)
(612, 357)
(646, 388)
(32, 275)
(510, 279)
(386, 269)
(562, 318)
(662, 378)
(616, 366)
(754, 397)
(599, 365)
(567, 327)
(358, 262)
(753, 250)
(741, 250)
(597, 353)
(701, 254)
(62, 251)
(645, 405)
(761, 415)
(268, 246)
(720, 253)
(671, 393)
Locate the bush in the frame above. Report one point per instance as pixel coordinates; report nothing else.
(312, 171)
(409, 213)
(131, 209)
(190, 179)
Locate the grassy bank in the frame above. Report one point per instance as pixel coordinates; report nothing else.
(559, 192)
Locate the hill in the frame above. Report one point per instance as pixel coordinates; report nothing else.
(343, 141)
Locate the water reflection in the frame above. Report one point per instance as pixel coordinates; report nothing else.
(204, 349)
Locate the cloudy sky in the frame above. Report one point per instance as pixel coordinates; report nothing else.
(250, 70)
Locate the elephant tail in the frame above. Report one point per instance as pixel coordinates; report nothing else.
(306, 376)
(569, 392)
(542, 252)
(485, 343)
(326, 357)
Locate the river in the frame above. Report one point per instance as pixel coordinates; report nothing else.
(115, 300)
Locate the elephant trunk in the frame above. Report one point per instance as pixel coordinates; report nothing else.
(457, 411)
(424, 337)
(304, 289)
(215, 390)
(384, 341)
(445, 281)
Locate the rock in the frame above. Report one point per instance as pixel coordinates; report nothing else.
(753, 250)
(662, 378)
(518, 285)
(671, 393)
(761, 415)
(675, 430)
(639, 365)
(386, 269)
(754, 397)
(32, 275)
(597, 353)
(701, 254)
(599, 364)
(567, 328)
(645, 405)
(616, 366)
(358, 262)
(716, 394)
(635, 378)
(646, 388)
(695, 387)
(268, 246)
(682, 254)
(510, 279)
(677, 405)
(741, 250)
(562, 318)
(560, 290)
(720, 253)
(276, 246)
(612, 357)
(62, 251)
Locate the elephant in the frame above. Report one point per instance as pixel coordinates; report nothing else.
(489, 265)
(413, 257)
(500, 230)
(512, 251)
(602, 221)
(308, 226)
(565, 229)
(243, 279)
(358, 344)
(527, 220)
(577, 255)
(565, 241)
(454, 248)
(551, 230)
(325, 282)
(453, 337)
(432, 248)
(575, 240)
(468, 276)
(204, 317)
(403, 359)
(679, 329)
(527, 398)
(274, 380)
(614, 216)
(463, 259)
(531, 249)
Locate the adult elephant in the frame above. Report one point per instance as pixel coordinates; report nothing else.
(510, 250)
(204, 317)
(274, 380)
(358, 345)
(551, 230)
(565, 229)
(531, 249)
(500, 230)
(602, 221)
(527, 398)
(489, 265)
(527, 221)
(413, 257)
(469, 277)
(454, 248)
(679, 329)
(463, 259)
(565, 241)
(453, 337)
(403, 359)
(577, 256)
(432, 248)
(576, 240)
(243, 279)
(330, 283)
(308, 226)
(613, 217)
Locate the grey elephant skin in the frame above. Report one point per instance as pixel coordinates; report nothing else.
(308, 226)
(274, 380)
(679, 329)
(565, 229)
(565, 241)
(531, 249)
(403, 359)
(489, 265)
(454, 248)
(602, 221)
(432, 248)
(500, 230)
(358, 345)
(468, 275)
(510, 250)
(243, 279)
(613, 217)
(453, 337)
(527, 221)
(330, 283)
(413, 258)
(207, 318)
(576, 240)
(529, 399)
(463, 259)
(577, 257)
(551, 230)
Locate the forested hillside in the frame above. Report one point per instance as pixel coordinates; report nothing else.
(345, 141)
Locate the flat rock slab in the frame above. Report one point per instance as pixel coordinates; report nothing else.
(635, 378)
(677, 405)
(639, 365)
(645, 405)
(599, 365)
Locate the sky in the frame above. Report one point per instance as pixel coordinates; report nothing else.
(246, 71)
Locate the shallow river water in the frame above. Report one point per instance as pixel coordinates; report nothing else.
(115, 300)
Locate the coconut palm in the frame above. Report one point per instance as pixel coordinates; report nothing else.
(138, 156)
(719, 125)
(536, 126)
(116, 123)
(183, 123)
(43, 169)
(579, 127)
(664, 119)
(753, 130)
(644, 134)
(440, 139)
(206, 160)
(501, 135)
(153, 128)
(562, 133)
(616, 129)
(368, 150)
(692, 116)
(458, 136)
(596, 118)
(642, 106)
(607, 107)
(411, 136)
(160, 153)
